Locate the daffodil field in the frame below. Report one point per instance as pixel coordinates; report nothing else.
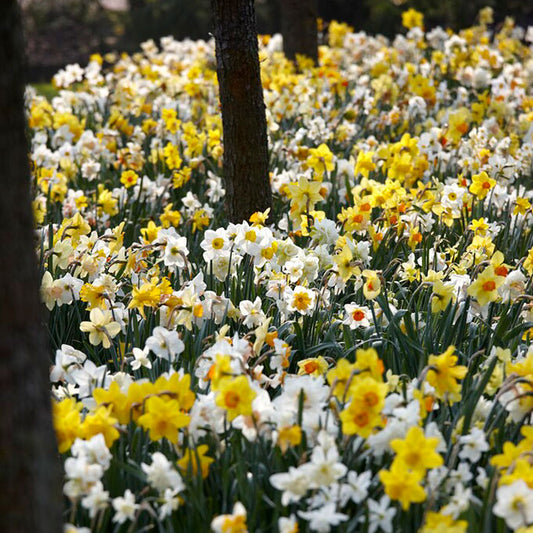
(365, 362)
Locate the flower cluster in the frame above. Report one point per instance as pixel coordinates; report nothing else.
(365, 362)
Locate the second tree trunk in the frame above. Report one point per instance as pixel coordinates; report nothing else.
(299, 28)
(243, 109)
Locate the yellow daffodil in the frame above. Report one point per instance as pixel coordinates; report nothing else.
(163, 418)
(314, 366)
(416, 451)
(485, 288)
(364, 164)
(116, 399)
(441, 523)
(129, 178)
(346, 264)
(402, 484)
(481, 185)
(372, 284)
(304, 194)
(442, 295)
(235, 396)
(67, 422)
(101, 421)
(147, 295)
(443, 374)
(196, 460)
(412, 19)
(289, 436)
(321, 160)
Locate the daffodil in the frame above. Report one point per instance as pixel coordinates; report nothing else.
(357, 419)
(231, 523)
(458, 124)
(304, 194)
(147, 295)
(368, 392)
(163, 418)
(301, 300)
(485, 288)
(443, 374)
(196, 460)
(402, 484)
(321, 159)
(522, 206)
(442, 295)
(481, 185)
(364, 164)
(150, 232)
(315, 366)
(176, 387)
(339, 377)
(116, 399)
(368, 363)
(412, 19)
(289, 436)
(101, 327)
(528, 263)
(101, 421)
(372, 284)
(440, 523)
(67, 422)
(129, 178)
(172, 156)
(235, 396)
(416, 451)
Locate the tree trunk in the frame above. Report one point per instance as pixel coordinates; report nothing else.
(299, 28)
(29, 462)
(243, 109)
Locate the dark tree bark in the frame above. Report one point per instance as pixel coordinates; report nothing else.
(299, 28)
(243, 109)
(29, 463)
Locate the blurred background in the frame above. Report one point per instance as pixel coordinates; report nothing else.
(68, 31)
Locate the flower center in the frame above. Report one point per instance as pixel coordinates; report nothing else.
(412, 458)
(361, 419)
(489, 286)
(302, 301)
(310, 367)
(232, 399)
(217, 243)
(501, 271)
(371, 399)
(358, 315)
